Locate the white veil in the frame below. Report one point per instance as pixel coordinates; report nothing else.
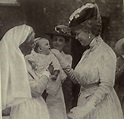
(15, 86)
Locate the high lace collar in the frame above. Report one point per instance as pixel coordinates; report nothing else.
(95, 42)
(122, 56)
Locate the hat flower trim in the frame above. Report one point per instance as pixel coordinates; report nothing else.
(62, 30)
(76, 13)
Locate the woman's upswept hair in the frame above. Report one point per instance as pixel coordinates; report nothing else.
(90, 26)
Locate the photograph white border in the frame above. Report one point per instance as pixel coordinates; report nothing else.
(9, 3)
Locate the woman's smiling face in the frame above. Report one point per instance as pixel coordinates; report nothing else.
(83, 37)
(58, 42)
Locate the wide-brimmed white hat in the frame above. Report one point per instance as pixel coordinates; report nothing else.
(61, 30)
(119, 47)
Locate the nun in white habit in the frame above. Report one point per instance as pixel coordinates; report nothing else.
(15, 88)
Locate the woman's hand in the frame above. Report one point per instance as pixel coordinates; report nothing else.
(57, 54)
(76, 112)
(81, 112)
(60, 58)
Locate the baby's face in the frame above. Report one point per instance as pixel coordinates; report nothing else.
(45, 46)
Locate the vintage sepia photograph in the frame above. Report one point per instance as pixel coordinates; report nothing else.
(61, 59)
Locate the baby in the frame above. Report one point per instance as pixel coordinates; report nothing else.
(41, 59)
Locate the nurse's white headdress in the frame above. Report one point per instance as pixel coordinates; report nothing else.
(15, 87)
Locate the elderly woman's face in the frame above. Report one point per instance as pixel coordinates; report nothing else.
(30, 43)
(30, 40)
(83, 37)
(58, 42)
(26, 47)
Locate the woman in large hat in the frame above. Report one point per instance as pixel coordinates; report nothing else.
(95, 72)
(60, 38)
(56, 104)
(119, 77)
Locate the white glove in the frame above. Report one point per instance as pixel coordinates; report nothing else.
(81, 112)
(57, 54)
(60, 58)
